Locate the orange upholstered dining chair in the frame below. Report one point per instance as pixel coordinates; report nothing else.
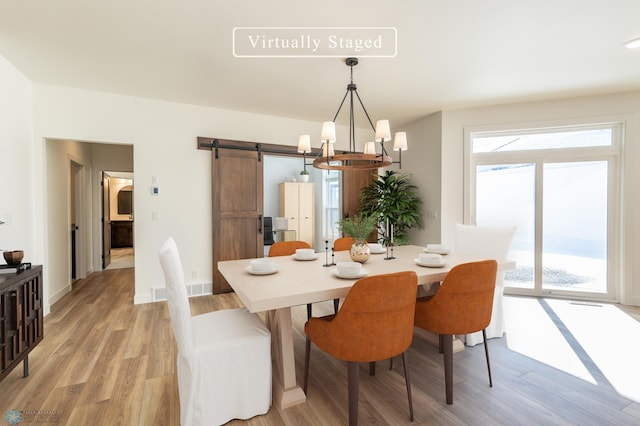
(462, 305)
(287, 248)
(374, 323)
(342, 244)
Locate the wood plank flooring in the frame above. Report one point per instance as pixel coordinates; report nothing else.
(105, 361)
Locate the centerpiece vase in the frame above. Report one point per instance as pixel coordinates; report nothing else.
(360, 251)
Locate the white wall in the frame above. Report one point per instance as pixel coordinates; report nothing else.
(163, 135)
(58, 156)
(424, 163)
(16, 180)
(620, 107)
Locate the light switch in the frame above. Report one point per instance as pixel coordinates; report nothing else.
(154, 215)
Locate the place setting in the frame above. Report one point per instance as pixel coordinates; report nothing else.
(377, 248)
(349, 270)
(436, 248)
(305, 254)
(430, 260)
(262, 266)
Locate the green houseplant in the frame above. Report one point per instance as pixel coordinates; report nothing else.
(304, 176)
(393, 199)
(359, 227)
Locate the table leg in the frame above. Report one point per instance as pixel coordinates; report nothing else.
(447, 343)
(286, 391)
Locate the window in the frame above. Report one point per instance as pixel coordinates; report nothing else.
(559, 188)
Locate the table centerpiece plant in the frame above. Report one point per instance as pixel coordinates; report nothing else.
(359, 227)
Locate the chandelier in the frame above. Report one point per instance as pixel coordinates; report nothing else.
(328, 159)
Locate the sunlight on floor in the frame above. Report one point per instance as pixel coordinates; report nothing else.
(604, 335)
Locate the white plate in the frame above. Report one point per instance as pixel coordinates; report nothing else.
(445, 251)
(314, 257)
(430, 265)
(267, 272)
(363, 272)
(382, 250)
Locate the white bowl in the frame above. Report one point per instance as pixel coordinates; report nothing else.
(262, 264)
(305, 253)
(430, 258)
(349, 268)
(375, 247)
(437, 248)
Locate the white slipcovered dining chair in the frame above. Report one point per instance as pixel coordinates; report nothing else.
(224, 357)
(491, 243)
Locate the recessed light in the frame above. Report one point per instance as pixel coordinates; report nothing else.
(633, 44)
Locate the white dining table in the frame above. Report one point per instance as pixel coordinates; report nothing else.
(299, 282)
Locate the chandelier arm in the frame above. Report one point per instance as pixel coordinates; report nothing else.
(340, 107)
(365, 111)
(352, 125)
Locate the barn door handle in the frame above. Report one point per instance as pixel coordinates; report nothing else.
(260, 224)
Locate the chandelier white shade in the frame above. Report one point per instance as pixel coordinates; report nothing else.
(328, 132)
(304, 144)
(370, 148)
(383, 131)
(400, 141)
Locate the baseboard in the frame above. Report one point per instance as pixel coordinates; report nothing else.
(193, 290)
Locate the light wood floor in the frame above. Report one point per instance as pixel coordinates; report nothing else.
(105, 361)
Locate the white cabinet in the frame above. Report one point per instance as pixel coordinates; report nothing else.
(297, 205)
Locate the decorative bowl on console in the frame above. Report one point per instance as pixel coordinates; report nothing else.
(13, 257)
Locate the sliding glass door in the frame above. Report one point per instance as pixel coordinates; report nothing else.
(559, 187)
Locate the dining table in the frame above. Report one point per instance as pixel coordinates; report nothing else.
(294, 282)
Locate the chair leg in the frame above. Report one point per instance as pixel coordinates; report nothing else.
(307, 353)
(447, 340)
(391, 363)
(309, 311)
(353, 376)
(336, 303)
(405, 363)
(440, 343)
(486, 353)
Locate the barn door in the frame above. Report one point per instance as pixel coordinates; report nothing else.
(237, 208)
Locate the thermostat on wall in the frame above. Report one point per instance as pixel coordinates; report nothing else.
(155, 190)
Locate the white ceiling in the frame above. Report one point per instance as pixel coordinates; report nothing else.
(451, 53)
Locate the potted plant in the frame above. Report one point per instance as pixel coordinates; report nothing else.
(359, 227)
(304, 176)
(394, 201)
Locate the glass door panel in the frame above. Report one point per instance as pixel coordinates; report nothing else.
(505, 196)
(574, 231)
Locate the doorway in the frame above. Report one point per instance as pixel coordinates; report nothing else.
(118, 220)
(76, 183)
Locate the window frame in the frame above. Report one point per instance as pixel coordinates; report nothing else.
(612, 154)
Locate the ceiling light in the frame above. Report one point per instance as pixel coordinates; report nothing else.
(633, 44)
(328, 159)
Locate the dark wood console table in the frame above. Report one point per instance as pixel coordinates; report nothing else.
(21, 316)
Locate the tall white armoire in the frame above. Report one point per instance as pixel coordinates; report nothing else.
(297, 205)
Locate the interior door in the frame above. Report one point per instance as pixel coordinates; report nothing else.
(237, 209)
(352, 183)
(106, 221)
